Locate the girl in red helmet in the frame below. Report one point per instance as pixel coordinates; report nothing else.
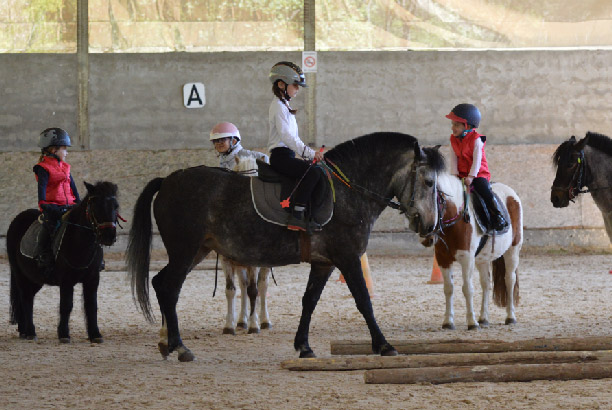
(57, 191)
(469, 161)
(288, 154)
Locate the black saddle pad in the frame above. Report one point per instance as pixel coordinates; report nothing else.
(270, 188)
(30, 240)
(483, 216)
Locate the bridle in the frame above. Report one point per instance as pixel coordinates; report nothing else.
(99, 227)
(578, 180)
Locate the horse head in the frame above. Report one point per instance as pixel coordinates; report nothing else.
(423, 212)
(102, 211)
(571, 169)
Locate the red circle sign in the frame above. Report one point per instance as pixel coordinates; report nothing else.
(310, 61)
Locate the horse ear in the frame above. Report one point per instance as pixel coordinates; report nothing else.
(89, 187)
(418, 152)
(579, 146)
(437, 147)
(572, 138)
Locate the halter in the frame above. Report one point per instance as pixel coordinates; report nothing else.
(578, 180)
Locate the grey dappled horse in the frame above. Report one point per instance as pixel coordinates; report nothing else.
(201, 209)
(585, 163)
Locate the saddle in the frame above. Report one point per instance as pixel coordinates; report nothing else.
(29, 246)
(483, 216)
(269, 188)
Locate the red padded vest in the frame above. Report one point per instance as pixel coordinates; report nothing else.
(58, 187)
(464, 150)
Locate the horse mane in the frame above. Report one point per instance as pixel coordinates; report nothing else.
(600, 142)
(103, 188)
(366, 144)
(435, 159)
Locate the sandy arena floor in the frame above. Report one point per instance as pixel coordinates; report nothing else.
(562, 295)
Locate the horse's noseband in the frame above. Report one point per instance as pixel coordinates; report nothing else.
(98, 227)
(577, 182)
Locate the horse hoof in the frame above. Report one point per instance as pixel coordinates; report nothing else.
(22, 336)
(242, 325)
(473, 327)
(483, 323)
(510, 321)
(64, 340)
(33, 338)
(448, 326)
(229, 331)
(388, 350)
(163, 349)
(97, 340)
(186, 356)
(307, 355)
(253, 330)
(266, 326)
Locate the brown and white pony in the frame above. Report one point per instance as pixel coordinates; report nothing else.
(253, 280)
(457, 239)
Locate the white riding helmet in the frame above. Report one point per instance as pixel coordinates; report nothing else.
(224, 130)
(287, 72)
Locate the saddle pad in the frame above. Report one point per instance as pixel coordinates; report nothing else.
(267, 197)
(483, 219)
(29, 242)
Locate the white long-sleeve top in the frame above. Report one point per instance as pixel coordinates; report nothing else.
(284, 130)
(476, 159)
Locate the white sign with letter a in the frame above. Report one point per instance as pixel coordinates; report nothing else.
(193, 95)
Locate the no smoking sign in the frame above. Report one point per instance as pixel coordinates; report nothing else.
(309, 61)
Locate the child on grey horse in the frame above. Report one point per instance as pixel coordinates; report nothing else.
(226, 139)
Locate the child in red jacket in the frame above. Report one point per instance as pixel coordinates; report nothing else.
(469, 161)
(56, 189)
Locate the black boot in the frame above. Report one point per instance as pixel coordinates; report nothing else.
(498, 220)
(45, 259)
(296, 220)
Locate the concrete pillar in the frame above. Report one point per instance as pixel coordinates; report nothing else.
(83, 76)
(311, 78)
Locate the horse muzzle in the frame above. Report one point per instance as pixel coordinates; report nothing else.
(107, 233)
(560, 198)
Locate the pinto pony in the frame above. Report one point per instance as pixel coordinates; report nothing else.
(458, 239)
(193, 217)
(585, 163)
(253, 280)
(89, 225)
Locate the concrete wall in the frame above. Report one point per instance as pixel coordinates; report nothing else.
(530, 100)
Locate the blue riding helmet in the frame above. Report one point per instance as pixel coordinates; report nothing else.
(53, 137)
(465, 113)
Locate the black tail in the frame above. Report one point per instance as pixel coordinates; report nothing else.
(138, 255)
(500, 295)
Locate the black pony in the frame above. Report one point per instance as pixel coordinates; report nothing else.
(202, 209)
(89, 224)
(584, 164)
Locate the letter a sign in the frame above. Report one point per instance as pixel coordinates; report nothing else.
(193, 95)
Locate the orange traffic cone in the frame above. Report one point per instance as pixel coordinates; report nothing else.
(436, 274)
(365, 267)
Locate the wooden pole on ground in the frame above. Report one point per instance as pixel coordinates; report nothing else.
(441, 360)
(345, 347)
(494, 373)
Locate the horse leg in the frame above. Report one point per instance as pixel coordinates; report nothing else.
(230, 295)
(449, 313)
(511, 259)
(25, 322)
(252, 292)
(319, 274)
(467, 270)
(262, 285)
(66, 302)
(484, 268)
(167, 284)
(353, 275)
(243, 316)
(90, 304)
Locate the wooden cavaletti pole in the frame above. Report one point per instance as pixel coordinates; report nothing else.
(343, 347)
(494, 373)
(442, 360)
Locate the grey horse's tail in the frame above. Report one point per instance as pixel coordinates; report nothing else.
(500, 295)
(138, 255)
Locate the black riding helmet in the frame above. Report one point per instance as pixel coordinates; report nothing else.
(53, 137)
(466, 113)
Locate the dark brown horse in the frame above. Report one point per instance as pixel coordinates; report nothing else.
(90, 224)
(202, 209)
(585, 164)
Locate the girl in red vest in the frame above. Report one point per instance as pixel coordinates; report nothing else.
(469, 161)
(56, 189)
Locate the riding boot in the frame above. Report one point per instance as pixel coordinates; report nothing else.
(296, 221)
(45, 259)
(497, 218)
